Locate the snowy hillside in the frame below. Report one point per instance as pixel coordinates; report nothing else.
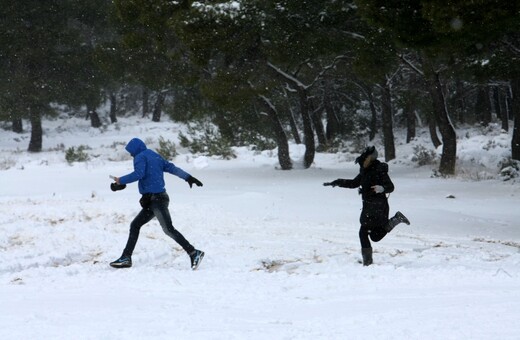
(282, 250)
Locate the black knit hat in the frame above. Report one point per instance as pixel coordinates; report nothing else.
(370, 151)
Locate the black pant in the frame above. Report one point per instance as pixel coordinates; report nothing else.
(158, 207)
(374, 218)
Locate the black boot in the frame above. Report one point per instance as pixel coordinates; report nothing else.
(123, 262)
(367, 256)
(398, 218)
(196, 257)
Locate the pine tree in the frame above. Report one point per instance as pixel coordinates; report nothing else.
(36, 41)
(443, 32)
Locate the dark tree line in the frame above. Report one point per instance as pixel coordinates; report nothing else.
(312, 72)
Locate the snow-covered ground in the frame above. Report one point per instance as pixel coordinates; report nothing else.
(282, 251)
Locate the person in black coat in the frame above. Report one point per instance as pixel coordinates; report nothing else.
(373, 183)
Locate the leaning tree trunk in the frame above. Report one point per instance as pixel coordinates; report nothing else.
(449, 137)
(156, 116)
(35, 144)
(432, 127)
(308, 133)
(515, 110)
(388, 130)
(281, 137)
(294, 127)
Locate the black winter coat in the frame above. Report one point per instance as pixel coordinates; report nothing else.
(375, 174)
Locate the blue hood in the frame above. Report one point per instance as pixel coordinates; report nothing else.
(149, 168)
(135, 147)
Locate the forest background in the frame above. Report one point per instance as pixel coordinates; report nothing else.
(328, 74)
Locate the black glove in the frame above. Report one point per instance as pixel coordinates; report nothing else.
(116, 187)
(192, 180)
(332, 184)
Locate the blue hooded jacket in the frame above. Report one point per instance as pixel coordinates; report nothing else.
(149, 167)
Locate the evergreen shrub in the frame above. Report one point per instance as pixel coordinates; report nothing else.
(77, 155)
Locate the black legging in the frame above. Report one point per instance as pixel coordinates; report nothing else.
(158, 208)
(373, 219)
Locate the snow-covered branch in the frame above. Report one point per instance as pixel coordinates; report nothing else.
(293, 80)
(326, 68)
(287, 76)
(411, 65)
(511, 47)
(231, 8)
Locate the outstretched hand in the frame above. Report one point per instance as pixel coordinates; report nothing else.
(192, 180)
(116, 186)
(331, 184)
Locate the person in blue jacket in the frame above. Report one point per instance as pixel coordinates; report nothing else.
(149, 169)
(373, 183)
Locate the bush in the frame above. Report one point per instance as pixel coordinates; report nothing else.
(205, 139)
(7, 163)
(166, 148)
(509, 169)
(423, 156)
(77, 155)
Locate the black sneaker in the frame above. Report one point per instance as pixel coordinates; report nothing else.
(122, 262)
(401, 218)
(196, 257)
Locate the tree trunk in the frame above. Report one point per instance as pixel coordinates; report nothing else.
(432, 127)
(332, 129)
(489, 105)
(500, 108)
(449, 137)
(509, 102)
(482, 107)
(281, 138)
(294, 127)
(95, 121)
(496, 102)
(388, 131)
(146, 100)
(35, 144)
(373, 110)
(157, 109)
(318, 126)
(113, 108)
(460, 105)
(409, 107)
(409, 113)
(17, 125)
(515, 110)
(308, 133)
